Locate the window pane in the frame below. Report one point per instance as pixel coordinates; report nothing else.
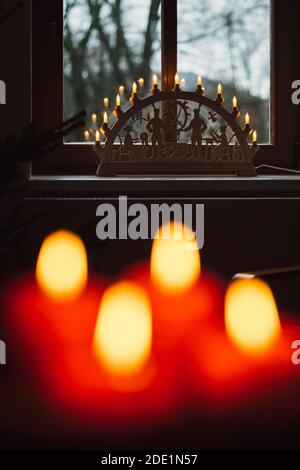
(229, 41)
(107, 44)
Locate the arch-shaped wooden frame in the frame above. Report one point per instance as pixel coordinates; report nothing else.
(244, 167)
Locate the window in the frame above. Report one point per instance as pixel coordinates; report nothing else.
(106, 47)
(85, 49)
(229, 40)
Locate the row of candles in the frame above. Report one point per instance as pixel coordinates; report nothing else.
(144, 345)
(134, 96)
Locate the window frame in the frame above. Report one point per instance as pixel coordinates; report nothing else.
(80, 159)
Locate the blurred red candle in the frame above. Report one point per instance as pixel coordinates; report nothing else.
(240, 361)
(101, 363)
(182, 297)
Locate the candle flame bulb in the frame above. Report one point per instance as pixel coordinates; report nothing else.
(177, 79)
(154, 84)
(123, 334)
(141, 82)
(86, 135)
(118, 110)
(106, 102)
(94, 118)
(247, 119)
(251, 316)
(175, 259)
(134, 88)
(105, 118)
(220, 99)
(199, 81)
(121, 89)
(62, 267)
(254, 137)
(97, 136)
(234, 102)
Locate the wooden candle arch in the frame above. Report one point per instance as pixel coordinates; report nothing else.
(162, 157)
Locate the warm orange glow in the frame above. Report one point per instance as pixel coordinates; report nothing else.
(106, 102)
(94, 118)
(134, 88)
(86, 135)
(121, 89)
(219, 89)
(251, 316)
(141, 82)
(177, 79)
(175, 258)
(123, 334)
(105, 118)
(155, 79)
(97, 136)
(234, 102)
(254, 137)
(118, 100)
(247, 119)
(62, 269)
(199, 81)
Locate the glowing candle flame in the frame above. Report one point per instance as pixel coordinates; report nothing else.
(134, 88)
(234, 102)
(219, 89)
(121, 89)
(123, 335)
(94, 118)
(105, 118)
(254, 137)
(141, 82)
(118, 100)
(106, 102)
(97, 136)
(199, 81)
(251, 316)
(247, 119)
(175, 258)
(86, 135)
(61, 269)
(155, 80)
(177, 79)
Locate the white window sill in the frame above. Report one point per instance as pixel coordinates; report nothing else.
(225, 186)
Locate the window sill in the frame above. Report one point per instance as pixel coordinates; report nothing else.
(205, 187)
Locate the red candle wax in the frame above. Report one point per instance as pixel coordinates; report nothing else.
(175, 315)
(219, 375)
